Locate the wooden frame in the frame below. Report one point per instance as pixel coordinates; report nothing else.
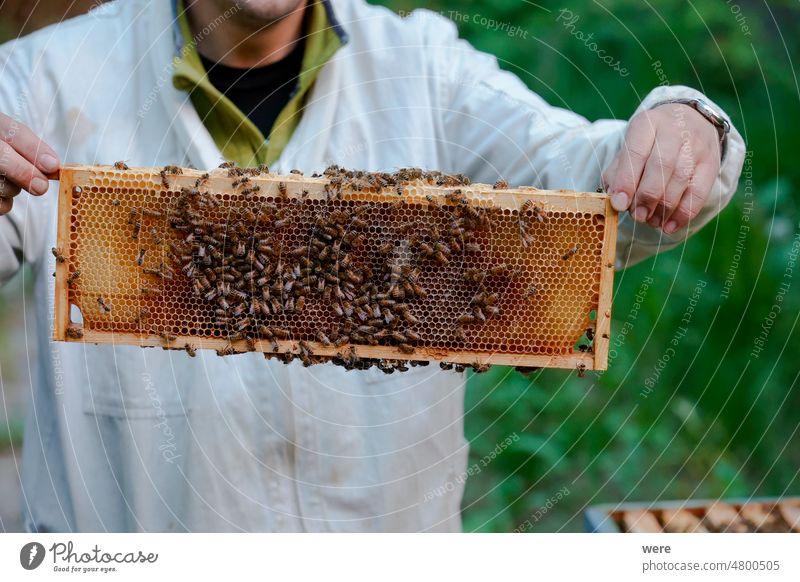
(603, 518)
(76, 176)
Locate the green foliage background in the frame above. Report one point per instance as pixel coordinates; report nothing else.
(719, 423)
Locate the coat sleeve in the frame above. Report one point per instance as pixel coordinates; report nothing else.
(23, 229)
(494, 126)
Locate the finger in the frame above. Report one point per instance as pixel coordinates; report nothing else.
(657, 174)
(20, 171)
(7, 188)
(632, 158)
(5, 205)
(24, 141)
(678, 182)
(608, 175)
(694, 198)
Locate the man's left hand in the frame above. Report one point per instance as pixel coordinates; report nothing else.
(666, 167)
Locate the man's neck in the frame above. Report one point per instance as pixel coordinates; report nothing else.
(238, 42)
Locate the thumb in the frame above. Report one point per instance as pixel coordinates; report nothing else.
(619, 200)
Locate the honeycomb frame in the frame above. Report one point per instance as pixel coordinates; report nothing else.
(94, 237)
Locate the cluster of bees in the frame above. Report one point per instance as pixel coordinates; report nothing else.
(240, 261)
(342, 180)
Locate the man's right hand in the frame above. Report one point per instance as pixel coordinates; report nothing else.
(25, 162)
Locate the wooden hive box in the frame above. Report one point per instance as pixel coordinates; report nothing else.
(759, 515)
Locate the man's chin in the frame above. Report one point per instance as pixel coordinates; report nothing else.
(261, 13)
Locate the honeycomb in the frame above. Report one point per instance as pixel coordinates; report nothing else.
(388, 269)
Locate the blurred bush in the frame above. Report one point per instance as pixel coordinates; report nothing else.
(719, 421)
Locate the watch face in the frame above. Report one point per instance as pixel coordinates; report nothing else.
(708, 112)
(713, 115)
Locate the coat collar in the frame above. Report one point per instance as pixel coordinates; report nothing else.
(199, 145)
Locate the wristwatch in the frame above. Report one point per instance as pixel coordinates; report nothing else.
(712, 115)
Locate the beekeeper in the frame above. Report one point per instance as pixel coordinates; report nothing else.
(128, 439)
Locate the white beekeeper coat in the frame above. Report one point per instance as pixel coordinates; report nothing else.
(122, 438)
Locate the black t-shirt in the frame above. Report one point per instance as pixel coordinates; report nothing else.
(261, 92)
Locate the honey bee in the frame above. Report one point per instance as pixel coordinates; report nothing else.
(455, 197)
(305, 348)
(473, 275)
(581, 370)
(140, 257)
(530, 292)
(227, 165)
(103, 305)
(590, 333)
(432, 200)
(162, 272)
(74, 332)
(150, 290)
(201, 180)
(57, 254)
(406, 348)
(412, 335)
(570, 253)
(479, 368)
(465, 319)
(409, 317)
(190, 349)
(499, 270)
(492, 310)
(73, 277)
(164, 181)
(144, 313)
(156, 236)
(121, 165)
(228, 350)
(500, 185)
(280, 333)
(167, 337)
(282, 191)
